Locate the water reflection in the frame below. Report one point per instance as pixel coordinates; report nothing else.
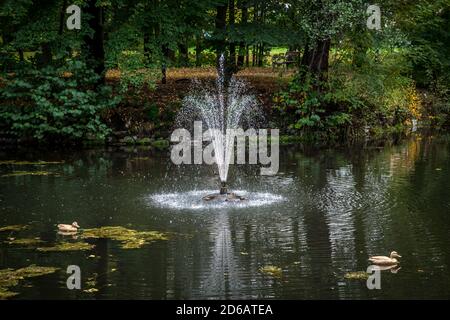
(339, 207)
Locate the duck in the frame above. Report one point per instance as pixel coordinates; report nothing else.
(386, 261)
(69, 227)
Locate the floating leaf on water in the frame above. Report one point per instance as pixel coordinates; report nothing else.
(130, 239)
(91, 290)
(133, 244)
(10, 278)
(29, 173)
(152, 235)
(5, 294)
(272, 271)
(358, 275)
(15, 227)
(31, 163)
(91, 283)
(25, 241)
(35, 271)
(68, 246)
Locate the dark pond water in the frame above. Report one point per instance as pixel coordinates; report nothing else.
(321, 217)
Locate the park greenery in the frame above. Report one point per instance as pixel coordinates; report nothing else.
(105, 80)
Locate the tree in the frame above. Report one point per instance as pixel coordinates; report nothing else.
(321, 23)
(94, 43)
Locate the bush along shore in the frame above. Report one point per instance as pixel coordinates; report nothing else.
(320, 71)
(66, 106)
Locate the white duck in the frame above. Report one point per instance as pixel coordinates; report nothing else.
(386, 261)
(68, 227)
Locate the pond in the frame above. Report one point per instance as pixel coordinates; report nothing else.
(301, 234)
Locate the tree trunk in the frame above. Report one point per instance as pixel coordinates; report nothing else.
(169, 55)
(183, 54)
(220, 24)
(247, 56)
(198, 51)
(254, 55)
(46, 56)
(315, 61)
(62, 15)
(261, 55)
(220, 44)
(147, 51)
(242, 47)
(232, 43)
(94, 45)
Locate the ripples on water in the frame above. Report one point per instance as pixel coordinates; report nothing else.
(193, 200)
(322, 216)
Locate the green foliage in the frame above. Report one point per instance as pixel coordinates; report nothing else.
(311, 107)
(152, 112)
(427, 25)
(55, 104)
(135, 73)
(378, 93)
(371, 80)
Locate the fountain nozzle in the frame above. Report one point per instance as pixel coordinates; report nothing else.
(224, 195)
(223, 188)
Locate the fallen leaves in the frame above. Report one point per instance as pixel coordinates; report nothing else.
(272, 271)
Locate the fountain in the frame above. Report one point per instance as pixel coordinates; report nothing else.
(221, 108)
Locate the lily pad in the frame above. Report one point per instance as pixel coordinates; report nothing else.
(67, 246)
(28, 173)
(15, 227)
(272, 271)
(129, 238)
(358, 275)
(10, 278)
(25, 241)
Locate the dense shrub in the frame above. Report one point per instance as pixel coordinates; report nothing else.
(55, 104)
(377, 94)
(136, 74)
